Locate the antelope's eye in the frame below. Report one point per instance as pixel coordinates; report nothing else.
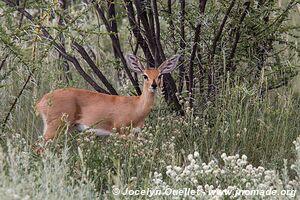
(159, 77)
(145, 77)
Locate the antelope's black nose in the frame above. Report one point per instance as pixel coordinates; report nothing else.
(154, 85)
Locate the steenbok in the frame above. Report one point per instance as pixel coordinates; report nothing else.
(100, 113)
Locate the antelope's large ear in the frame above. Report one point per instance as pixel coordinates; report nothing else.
(134, 64)
(169, 65)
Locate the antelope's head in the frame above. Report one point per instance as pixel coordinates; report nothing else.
(152, 76)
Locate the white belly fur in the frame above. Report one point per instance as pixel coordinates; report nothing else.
(98, 132)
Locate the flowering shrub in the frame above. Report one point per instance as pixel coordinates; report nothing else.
(229, 177)
(25, 177)
(86, 167)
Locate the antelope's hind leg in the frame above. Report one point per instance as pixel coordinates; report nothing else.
(51, 129)
(49, 132)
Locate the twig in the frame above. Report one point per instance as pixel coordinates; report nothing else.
(66, 67)
(91, 63)
(113, 23)
(157, 31)
(202, 4)
(182, 45)
(142, 16)
(211, 73)
(22, 16)
(237, 38)
(171, 24)
(3, 62)
(16, 99)
(219, 33)
(117, 46)
(136, 32)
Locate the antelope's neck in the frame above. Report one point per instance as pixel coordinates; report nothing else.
(146, 100)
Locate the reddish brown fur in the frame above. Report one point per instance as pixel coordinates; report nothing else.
(96, 109)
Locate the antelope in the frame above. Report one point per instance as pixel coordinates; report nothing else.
(101, 113)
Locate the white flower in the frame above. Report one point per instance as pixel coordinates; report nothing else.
(244, 157)
(169, 167)
(223, 156)
(196, 154)
(261, 169)
(195, 181)
(196, 167)
(177, 169)
(190, 157)
(249, 167)
(205, 167)
(173, 174)
(168, 173)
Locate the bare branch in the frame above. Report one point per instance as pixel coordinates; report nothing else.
(136, 31)
(211, 73)
(22, 15)
(16, 99)
(202, 4)
(117, 46)
(113, 23)
(171, 24)
(142, 15)
(182, 45)
(66, 67)
(230, 65)
(95, 69)
(220, 30)
(3, 62)
(157, 31)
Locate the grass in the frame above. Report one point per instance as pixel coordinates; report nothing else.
(85, 167)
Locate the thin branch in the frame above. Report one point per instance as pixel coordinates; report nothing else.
(182, 45)
(220, 30)
(191, 65)
(113, 23)
(146, 6)
(202, 4)
(171, 24)
(142, 15)
(237, 38)
(66, 67)
(157, 31)
(16, 99)
(3, 62)
(22, 15)
(80, 49)
(95, 69)
(136, 32)
(117, 46)
(211, 73)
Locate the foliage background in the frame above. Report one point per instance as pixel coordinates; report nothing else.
(246, 103)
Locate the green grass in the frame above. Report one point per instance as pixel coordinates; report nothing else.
(264, 130)
(240, 121)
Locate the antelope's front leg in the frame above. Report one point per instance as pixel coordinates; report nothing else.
(138, 129)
